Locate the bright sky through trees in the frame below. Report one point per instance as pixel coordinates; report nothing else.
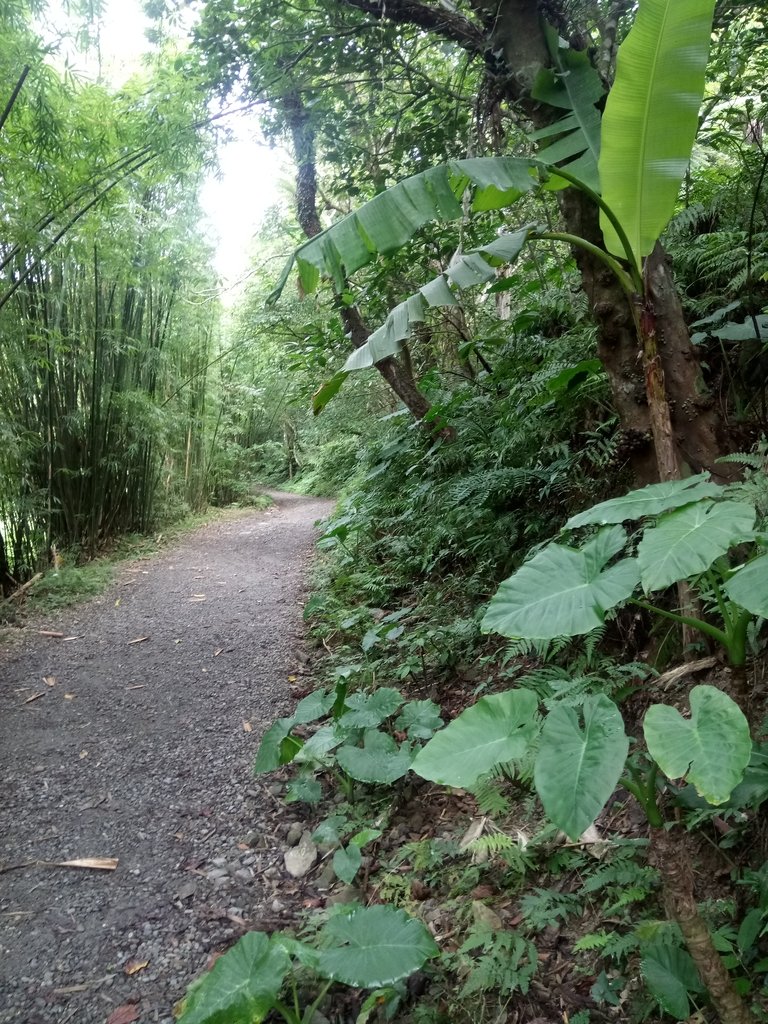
(236, 199)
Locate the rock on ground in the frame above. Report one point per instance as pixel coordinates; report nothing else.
(142, 752)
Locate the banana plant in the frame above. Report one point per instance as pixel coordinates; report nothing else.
(367, 948)
(689, 530)
(631, 163)
(582, 756)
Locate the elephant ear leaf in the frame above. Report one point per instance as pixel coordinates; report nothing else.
(497, 729)
(711, 749)
(243, 984)
(563, 591)
(578, 766)
(651, 118)
(374, 946)
(748, 587)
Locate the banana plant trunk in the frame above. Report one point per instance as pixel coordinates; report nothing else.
(669, 421)
(674, 866)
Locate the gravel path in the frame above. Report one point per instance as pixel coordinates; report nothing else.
(141, 751)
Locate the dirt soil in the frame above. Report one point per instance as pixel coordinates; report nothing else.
(131, 736)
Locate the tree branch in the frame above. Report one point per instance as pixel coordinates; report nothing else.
(446, 23)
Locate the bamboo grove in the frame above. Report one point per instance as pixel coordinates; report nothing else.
(108, 312)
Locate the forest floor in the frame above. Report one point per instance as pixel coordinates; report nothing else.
(128, 727)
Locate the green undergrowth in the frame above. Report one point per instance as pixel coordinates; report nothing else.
(74, 580)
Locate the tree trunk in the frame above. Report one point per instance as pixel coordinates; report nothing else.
(7, 583)
(401, 382)
(397, 373)
(674, 866)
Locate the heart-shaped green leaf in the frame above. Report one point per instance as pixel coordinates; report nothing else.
(375, 946)
(346, 862)
(578, 766)
(378, 760)
(648, 501)
(686, 542)
(420, 719)
(711, 749)
(370, 709)
(670, 974)
(749, 587)
(495, 730)
(243, 984)
(562, 591)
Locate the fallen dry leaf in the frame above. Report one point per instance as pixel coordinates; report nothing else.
(138, 640)
(69, 696)
(218, 652)
(34, 696)
(125, 1014)
(49, 680)
(92, 863)
(247, 727)
(134, 966)
(83, 754)
(117, 603)
(291, 679)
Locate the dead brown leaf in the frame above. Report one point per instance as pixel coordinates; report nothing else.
(247, 727)
(69, 696)
(125, 1014)
(35, 696)
(50, 680)
(134, 966)
(138, 640)
(92, 863)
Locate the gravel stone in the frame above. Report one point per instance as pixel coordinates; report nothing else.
(150, 764)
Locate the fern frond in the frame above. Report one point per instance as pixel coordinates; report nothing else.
(595, 940)
(490, 800)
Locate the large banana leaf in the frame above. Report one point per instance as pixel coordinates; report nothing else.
(563, 591)
(465, 271)
(389, 220)
(651, 117)
(577, 767)
(575, 86)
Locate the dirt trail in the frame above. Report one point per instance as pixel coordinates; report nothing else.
(141, 751)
